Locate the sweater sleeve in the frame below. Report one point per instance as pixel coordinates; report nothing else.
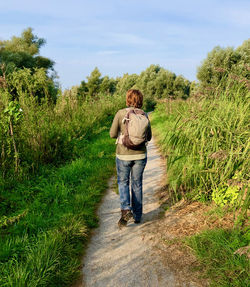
(149, 133)
(114, 130)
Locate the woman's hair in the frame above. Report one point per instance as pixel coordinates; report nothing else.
(134, 98)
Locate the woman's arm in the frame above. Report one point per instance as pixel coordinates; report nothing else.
(149, 132)
(114, 130)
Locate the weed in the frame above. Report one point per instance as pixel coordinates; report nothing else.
(215, 250)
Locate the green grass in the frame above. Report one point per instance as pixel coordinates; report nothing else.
(215, 251)
(43, 246)
(206, 145)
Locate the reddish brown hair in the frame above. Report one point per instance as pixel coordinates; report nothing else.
(134, 98)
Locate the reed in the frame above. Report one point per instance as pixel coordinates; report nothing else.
(206, 142)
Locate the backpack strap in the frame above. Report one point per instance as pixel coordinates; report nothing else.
(124, 121)
(126, 117)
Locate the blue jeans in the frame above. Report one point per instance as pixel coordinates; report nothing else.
(135, 168)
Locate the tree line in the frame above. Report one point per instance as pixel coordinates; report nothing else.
(32, 105)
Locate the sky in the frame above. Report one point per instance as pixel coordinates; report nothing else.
(126, 36)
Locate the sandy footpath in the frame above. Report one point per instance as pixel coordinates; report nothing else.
(122, 257)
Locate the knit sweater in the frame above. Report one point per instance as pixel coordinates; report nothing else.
(123, 152)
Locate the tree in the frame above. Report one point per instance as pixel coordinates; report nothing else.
(164, 84)
(94, 82)
(23, 52)
(147, 79)
(222, 64)
(19, 56)
(82, 90)
(126, 82)
(108, 86)
(181, 87)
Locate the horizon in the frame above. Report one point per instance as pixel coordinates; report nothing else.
(121, 37)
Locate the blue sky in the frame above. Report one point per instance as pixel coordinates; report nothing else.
(126, 36)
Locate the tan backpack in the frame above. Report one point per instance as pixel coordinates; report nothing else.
(136, 128)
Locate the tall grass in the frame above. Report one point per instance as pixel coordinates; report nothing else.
(206, 142)
(34, 133)
(48, 205)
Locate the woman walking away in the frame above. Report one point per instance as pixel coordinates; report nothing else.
(132, 130)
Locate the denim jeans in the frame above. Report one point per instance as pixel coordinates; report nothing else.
(133, 169)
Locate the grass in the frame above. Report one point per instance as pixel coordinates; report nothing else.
(43, 247)
(206, 145)
(215, 251)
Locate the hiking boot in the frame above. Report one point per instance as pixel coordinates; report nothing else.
(125, 216)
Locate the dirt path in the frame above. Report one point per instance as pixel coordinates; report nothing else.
(122, 257)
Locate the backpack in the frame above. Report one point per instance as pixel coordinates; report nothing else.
(136, 128)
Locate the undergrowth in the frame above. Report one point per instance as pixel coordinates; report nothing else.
(215, 251)
(206, 144)
(55, 164)
(43, 246)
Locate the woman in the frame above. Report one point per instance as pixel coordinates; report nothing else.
(130, 162)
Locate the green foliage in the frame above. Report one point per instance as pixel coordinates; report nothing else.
(94, 82)
(223, 64)
(46, 210)
(26, 83)
(13, 112)
(27, 43)
(24, 71)
(155, 83)
(36, 125)
(206, 139)
(10, 120)
(158, 83)
(215, 250)
(96, 85)
(82, 90)
(44, 221)
(225, 194)
(26, 93)
(7, 221)
(23, 52)
(181, 87)
(126, 82)
(149, 104)
(51, 134)
(206, 143)
(108, 85)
